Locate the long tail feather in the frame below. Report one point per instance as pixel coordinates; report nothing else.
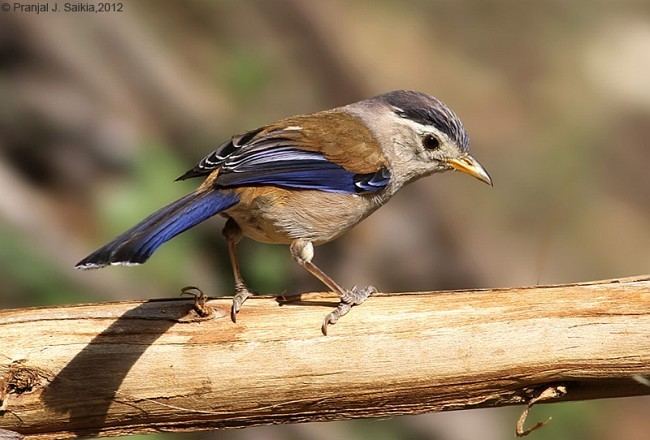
(137, 244)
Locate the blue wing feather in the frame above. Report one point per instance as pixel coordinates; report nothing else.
(137, 244)
(372, 182)
(274, 159)
(289, 167)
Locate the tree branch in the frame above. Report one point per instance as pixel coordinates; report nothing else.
(134, 367)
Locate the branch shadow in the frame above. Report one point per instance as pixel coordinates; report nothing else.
(88, 384)
(308, 300)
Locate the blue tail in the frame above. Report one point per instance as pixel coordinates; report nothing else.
(137, 244)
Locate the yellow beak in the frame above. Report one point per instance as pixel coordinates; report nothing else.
(467, 164)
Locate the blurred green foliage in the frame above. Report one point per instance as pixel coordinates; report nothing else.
(30, 279)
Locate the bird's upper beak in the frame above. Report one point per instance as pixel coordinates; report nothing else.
(467, 164)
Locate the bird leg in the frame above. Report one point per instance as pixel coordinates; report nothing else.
(232, 232)
(303, 252)
(201, 306)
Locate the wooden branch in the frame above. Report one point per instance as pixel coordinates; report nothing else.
(134, 367)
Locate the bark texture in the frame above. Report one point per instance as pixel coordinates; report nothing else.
(134, 367)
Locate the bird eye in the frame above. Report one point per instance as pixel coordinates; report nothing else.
(430, 142)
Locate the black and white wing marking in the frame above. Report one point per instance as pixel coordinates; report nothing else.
(275, 159)
(215, 159)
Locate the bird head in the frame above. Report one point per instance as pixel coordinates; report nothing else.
(422, 135)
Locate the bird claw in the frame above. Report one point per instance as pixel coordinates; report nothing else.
(350, 298)
(241, 295)
(200, 301)
(358, 295)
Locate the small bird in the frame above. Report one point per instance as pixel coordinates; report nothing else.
(305, 180)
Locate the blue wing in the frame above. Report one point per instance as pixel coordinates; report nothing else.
(289, 167)
(274, 160)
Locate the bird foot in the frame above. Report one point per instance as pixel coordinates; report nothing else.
(200, 301)
(351, 298)
(241, 295)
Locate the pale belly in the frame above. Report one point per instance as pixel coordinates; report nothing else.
(275, 215)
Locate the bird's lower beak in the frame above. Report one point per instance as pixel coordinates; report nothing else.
(468, 165)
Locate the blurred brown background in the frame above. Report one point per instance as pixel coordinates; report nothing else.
(100, 112)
